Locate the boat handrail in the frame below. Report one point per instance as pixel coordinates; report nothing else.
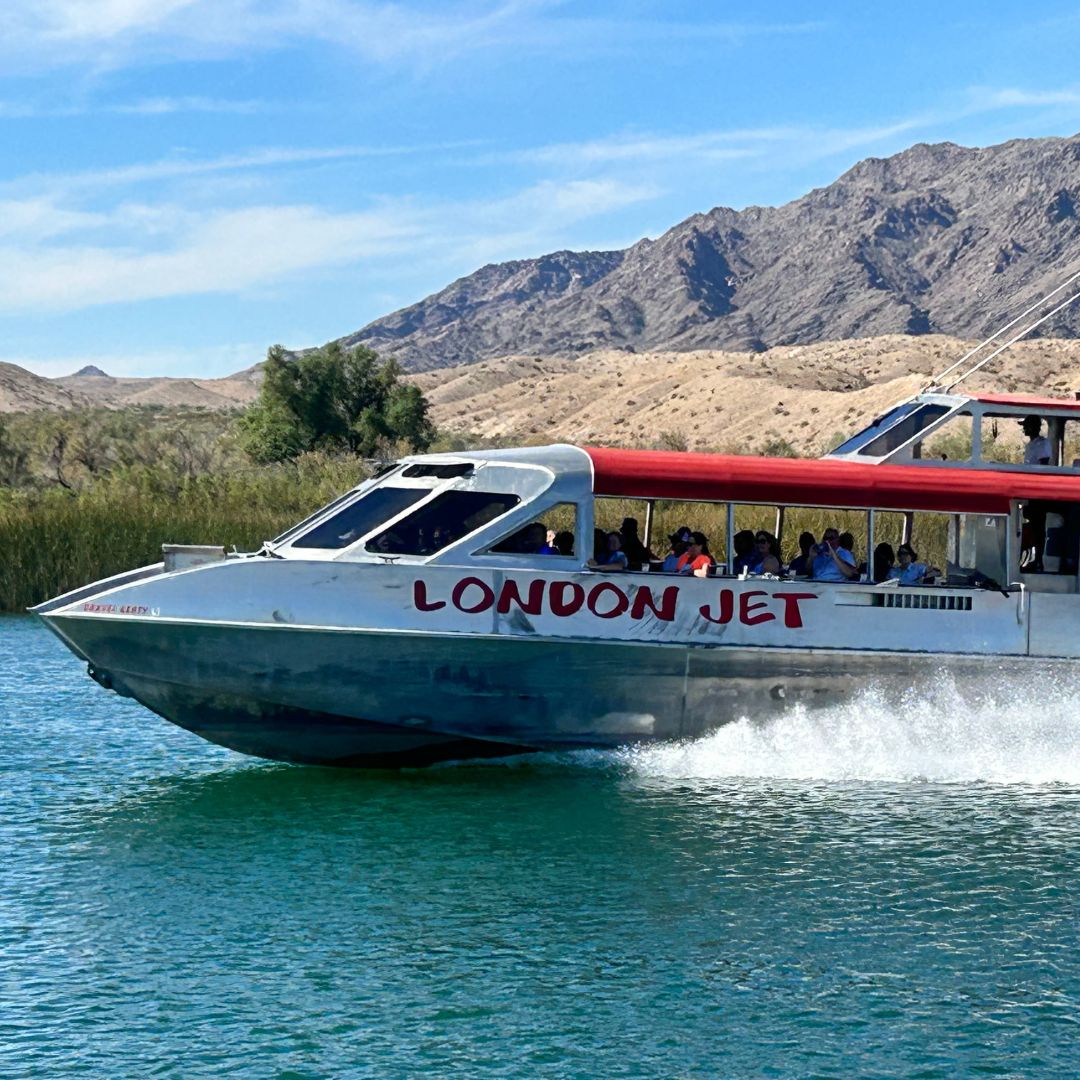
(935, 383)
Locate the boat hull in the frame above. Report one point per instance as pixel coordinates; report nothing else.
(375, 699)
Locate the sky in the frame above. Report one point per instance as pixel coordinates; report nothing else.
(185, 182)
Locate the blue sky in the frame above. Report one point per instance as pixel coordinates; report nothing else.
(185, 182)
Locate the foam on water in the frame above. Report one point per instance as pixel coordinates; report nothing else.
(1010, 735)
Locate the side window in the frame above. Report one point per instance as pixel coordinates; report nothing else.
(360, 517)
(552, 533)
(443, 521)
(976, 549)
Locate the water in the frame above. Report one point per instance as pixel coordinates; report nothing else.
(853, 893)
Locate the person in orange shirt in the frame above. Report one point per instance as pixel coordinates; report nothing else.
(697, 559)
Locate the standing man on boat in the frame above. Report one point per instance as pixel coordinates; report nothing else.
(1038, 450)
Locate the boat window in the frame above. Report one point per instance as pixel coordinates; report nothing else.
(448, 518)
(892, 430)
(552, 533)
(446, 470)
(951, 441)
(300, 526)
(976, 550)
(360, 517)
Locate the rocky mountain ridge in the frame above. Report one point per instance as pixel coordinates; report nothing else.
(936, 239)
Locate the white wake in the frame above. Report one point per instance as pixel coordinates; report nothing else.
(1015, 735)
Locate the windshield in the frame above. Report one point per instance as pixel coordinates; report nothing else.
(447, 518)
(360, 517)
(891, 430)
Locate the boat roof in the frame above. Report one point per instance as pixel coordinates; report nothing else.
(664, 474)
(1030, 402)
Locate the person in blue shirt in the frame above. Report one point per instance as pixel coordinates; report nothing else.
(909, 571)
(614, 559)
(831, 561)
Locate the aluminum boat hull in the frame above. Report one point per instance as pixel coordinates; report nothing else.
(377, 699)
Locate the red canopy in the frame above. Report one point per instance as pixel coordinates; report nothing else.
(1030, 402)
(663, 474)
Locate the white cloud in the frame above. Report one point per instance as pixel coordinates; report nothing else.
(56, 258)
(36, 34)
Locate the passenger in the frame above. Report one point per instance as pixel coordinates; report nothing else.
(910, 571)
(1038, 450)
(696, 560)
(884, 561)
(847, 542)
(832, 562)
(614, 560)
(534, 540)
(743, 545)
(637, 554)
(564, 542)
(678, 541)
(800, 565)
(763, 561)
(599, 545)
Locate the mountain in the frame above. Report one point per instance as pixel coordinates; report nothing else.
(937, 239)
(23, 391)
(90, 369)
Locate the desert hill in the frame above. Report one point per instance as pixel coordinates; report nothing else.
(936, 239)
(805, 395)
(708, 399)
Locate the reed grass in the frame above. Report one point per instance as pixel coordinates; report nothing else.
(54, 540)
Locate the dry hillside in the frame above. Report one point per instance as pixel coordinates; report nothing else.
(722, 400)
(804, 394)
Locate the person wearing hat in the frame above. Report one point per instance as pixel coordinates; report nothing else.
(909, 571)
(1038, 450)
(678, 540)
(696, 559)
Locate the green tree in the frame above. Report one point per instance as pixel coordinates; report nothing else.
(334, 399)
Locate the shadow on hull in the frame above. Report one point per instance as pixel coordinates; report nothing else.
(307, 737)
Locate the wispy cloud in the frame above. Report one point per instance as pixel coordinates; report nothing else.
(56, 258)
(174, 167)
(149, 107)
(115, 33)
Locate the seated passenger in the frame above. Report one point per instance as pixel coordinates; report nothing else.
(696, 560)
(910, 571)
(800, 565)
(831, 561)
(743, 545)
(614, 560)
(1038, 450)
(637, 554)
(884, 561)
(762, 560)
(678, 541)
(532, 540)
(564, 542)
(599, 538)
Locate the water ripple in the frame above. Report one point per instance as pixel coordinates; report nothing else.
(852, 893)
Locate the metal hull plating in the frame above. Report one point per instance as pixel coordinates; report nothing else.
(365, 698)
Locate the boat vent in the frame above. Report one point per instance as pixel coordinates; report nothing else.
(926, 601)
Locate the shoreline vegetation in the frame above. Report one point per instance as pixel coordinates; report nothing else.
(89, 493)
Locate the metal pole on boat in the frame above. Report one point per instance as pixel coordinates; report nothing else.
(871, 520)
(729, 540)
(647, 540)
